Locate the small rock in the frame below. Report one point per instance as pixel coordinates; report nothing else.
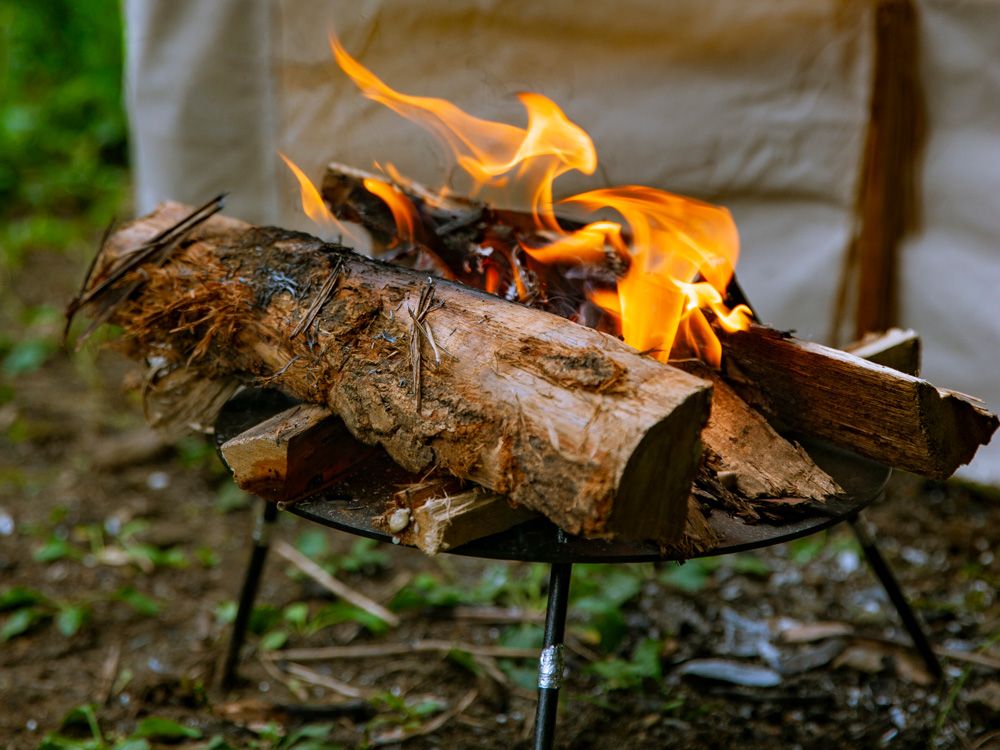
(731, 671)
(399, 520)
(7, 526)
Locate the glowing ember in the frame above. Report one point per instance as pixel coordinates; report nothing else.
(677, 254)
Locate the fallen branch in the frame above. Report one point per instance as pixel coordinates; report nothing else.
(398, 734)
(315, 678)
(375, 650)
(332, 585)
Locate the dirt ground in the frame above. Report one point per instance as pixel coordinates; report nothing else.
(120, 558)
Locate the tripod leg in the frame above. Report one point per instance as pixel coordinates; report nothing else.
(891, 585)
(550, 668)
(251, 582)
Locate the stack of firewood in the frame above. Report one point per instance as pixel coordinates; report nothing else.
(500, 406)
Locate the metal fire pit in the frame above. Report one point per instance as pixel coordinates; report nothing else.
(352, 504)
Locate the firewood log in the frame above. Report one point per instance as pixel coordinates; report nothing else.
(563, 419)
(294, 454)
(886, 415)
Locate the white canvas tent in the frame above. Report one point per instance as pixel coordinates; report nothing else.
(763, 107)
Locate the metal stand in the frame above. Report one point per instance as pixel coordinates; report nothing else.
(896, 596)
(251, 582)
(550, 663)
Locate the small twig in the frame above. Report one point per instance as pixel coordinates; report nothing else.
(969, 657)
(331, 584)
(370, 650)
(321, 299)
(108, 673)
(156, 252)
(307, 675)
(398, 734)
(496, 614)
(417, 325)
(267, 662)
(281, 371)
(415, 359)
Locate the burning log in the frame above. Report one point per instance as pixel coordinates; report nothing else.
(562, 419)
(458, 238)
(886, 415)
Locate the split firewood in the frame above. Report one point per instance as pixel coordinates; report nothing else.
(564, 420)
(439, 514)
(762, 463)
(294, 454)
(896, 348)
(881, 413)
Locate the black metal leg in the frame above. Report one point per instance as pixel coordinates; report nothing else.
(891, 585)
(550, 667)
(251, 582)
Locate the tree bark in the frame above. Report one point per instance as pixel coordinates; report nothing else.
(563, 419)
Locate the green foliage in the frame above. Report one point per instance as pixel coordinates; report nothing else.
(310, 737)
(109, 549)
(295, 618)
(502, 584)
(231, 498)
(139, 602)
(523, 635)
(165, 729)
(28, 608)
(625, 674)
(365, 556)
(807, 549)
(85, 718)
(404, 714)
(63, 147)
(598, 593)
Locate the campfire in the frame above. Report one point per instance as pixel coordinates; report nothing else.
(515, 358)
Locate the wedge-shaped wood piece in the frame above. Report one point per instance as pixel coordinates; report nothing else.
(437, 515)
(886, 415)
(294, 454)
(763, 464)
(563, 419)
(897, 348)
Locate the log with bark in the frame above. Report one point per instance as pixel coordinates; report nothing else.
(563, 419)
(864, 407)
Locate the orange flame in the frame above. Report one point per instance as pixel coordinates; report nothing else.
(680, 252)
(403, 212)
(674, 240)
(551, 145)
(313, 205)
